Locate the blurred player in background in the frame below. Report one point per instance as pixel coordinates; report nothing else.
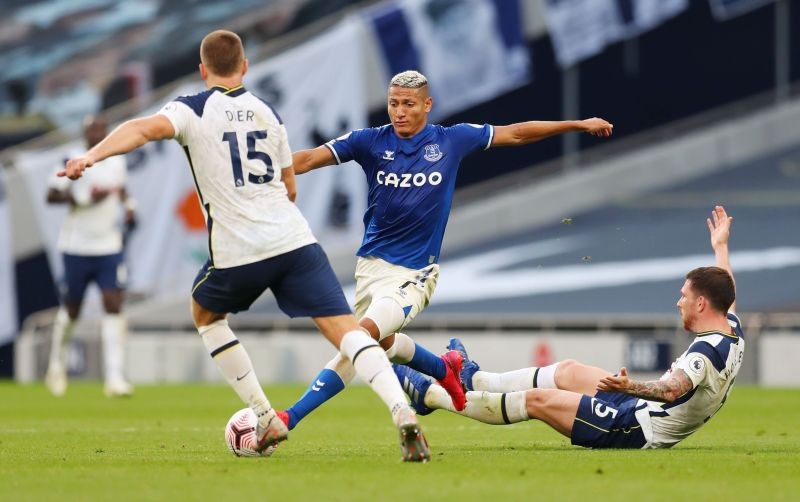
(600, 410)
(411, 169)
(240, 158)
(91, 242)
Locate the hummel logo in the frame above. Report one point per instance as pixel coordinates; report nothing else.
(238, 378)
(388, 155)
(318, 385)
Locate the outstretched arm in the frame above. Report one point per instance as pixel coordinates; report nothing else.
(307, 160)
(664, 391)
(523, 133)
(719, 226)
(125, 138)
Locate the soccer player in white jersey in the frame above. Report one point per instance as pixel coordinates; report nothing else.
(91, 243)
(240, 159)
(411, 169)
(599, 410)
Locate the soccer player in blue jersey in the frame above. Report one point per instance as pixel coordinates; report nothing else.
(241, 162)
(599, 410)
(411, 169)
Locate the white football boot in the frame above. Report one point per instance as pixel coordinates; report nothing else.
(117, 388)
(270, 430)
(413, 445)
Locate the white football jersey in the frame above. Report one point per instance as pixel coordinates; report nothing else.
(237, 145)
(93, 229)
(712, 362)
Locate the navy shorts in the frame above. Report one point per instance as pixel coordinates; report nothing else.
(108, 271)
(608, 420)
(302, 281)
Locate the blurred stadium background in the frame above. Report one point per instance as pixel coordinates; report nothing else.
(572, 247)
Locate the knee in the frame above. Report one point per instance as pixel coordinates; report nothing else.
(113, 308)
(535, 400)
(112, 301)
(387, 342)
(73, 311)
(204, 317)
(565, 373)
(386, 317)
(370, 327)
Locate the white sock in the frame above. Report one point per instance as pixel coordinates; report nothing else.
(63, 327)
(546, 378)
(512, 381)
(113, 329)
(496, 408)
(509, 381)
(373, 367)
(343, 367)
(234, 364)
(402, 351)
(487, 407)
(438, 399)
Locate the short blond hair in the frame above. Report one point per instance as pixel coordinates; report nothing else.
(410, 79)
(222, 53)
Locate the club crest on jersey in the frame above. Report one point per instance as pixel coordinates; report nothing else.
(432, 153)
(388, 155)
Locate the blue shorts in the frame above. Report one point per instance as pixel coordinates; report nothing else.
(108, 271)
(302, 281)
(608, 420)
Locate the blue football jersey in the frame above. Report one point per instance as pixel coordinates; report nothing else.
(411, 184)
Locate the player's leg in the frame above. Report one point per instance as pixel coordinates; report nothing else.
(111, 279)
(390, 297)
(555, 407)
(599, 420)
(390, 316)
(63, 327)
(372, 365)
(568, 375)
(333, 378)
(76, 279)
(311, 289)
(216, 292)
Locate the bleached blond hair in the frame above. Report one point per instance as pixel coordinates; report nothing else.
(410, 79)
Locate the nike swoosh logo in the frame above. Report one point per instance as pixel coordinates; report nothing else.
(238, 378)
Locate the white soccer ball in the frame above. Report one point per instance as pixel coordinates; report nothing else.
(240, 435)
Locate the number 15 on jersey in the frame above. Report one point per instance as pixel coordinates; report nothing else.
(252, 154)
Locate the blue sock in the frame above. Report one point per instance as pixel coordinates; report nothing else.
(327, 384)
(427, 362)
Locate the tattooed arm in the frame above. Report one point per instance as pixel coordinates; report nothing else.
(664, 391)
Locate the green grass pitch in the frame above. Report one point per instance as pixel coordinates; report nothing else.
(166, 443)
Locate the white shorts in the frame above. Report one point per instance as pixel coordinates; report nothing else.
(412, 289)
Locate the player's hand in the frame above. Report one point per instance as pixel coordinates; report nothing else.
(719, 226)
(287, 176)
(131, 224)
(130, 220)
(618, 383)
(597, 127)
(74, 167)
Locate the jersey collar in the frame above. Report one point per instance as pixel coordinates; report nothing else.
(729, 335)
(230, 91)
